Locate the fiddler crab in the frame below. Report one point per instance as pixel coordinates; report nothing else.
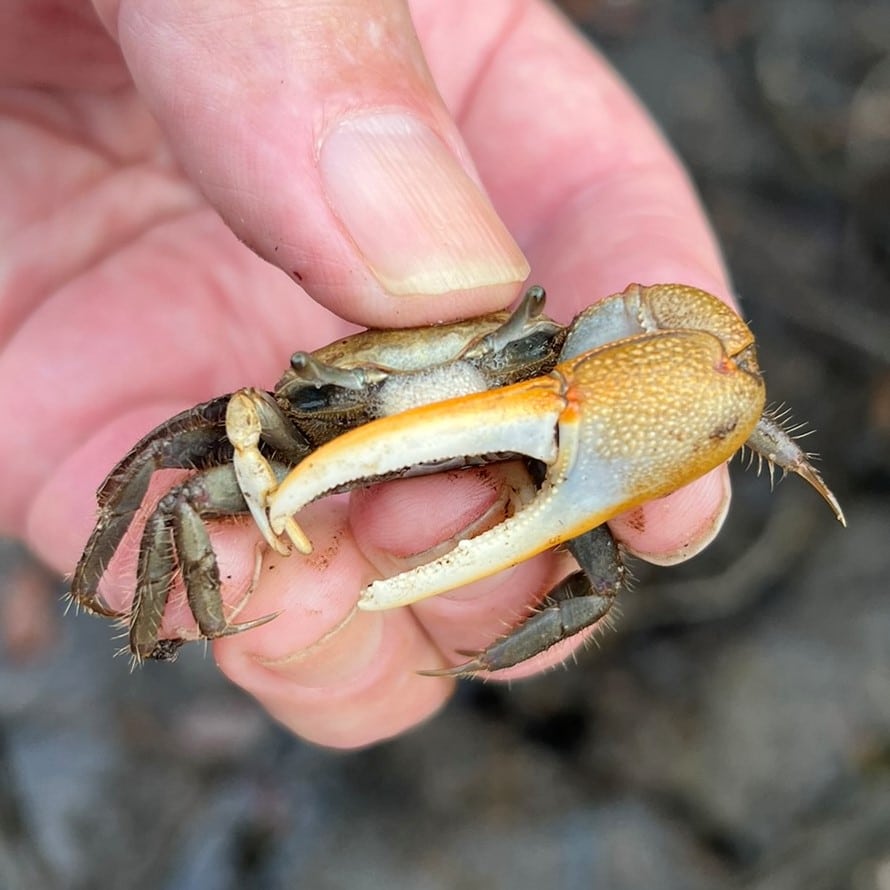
(640, 394)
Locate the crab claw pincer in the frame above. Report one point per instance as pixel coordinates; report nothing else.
(614, 426)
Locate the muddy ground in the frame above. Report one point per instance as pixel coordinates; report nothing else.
(734, 732)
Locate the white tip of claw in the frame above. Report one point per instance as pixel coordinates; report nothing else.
(278, 545)
(297, 536)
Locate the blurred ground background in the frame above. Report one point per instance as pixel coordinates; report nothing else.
(734, 732)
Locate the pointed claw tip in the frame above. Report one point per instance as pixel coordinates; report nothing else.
(458, 672)
(280, 546)
(233, 629)
(368, 601)
(838, 512)
(810, 474)
(439, 673)
(466, 671)
(297, 536)
(90, 603)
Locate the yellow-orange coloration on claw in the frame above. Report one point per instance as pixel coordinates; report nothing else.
(634, 420)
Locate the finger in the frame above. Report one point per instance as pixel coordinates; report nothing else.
(333, 675)
(345, 678)
(57, 45)
(590, 188)
(677, 527)
(577, 169)
(317, 132)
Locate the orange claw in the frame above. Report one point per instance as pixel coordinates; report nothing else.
(656, 386)
(633, 421)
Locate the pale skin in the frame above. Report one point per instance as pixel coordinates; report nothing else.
(137, 136)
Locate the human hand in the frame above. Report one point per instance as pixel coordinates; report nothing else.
(316, 133)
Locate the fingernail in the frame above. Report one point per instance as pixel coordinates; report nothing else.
(423, 225)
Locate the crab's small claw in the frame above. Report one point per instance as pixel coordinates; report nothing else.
(622, 424)
(248, 410)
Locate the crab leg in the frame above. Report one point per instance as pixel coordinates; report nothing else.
(175, 534)
(577, 603)
(633, 420)
(188, 440)
(776, 445)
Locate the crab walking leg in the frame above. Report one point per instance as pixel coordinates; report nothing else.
(188, 440)
(776, 445)
(575, 604)
(175, 534)
(638, 419)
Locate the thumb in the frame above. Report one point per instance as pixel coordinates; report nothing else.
(316, 131)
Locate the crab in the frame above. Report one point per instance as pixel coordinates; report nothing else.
(640, 394)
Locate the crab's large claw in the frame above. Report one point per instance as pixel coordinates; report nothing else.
(662, 307)
(616, 426)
